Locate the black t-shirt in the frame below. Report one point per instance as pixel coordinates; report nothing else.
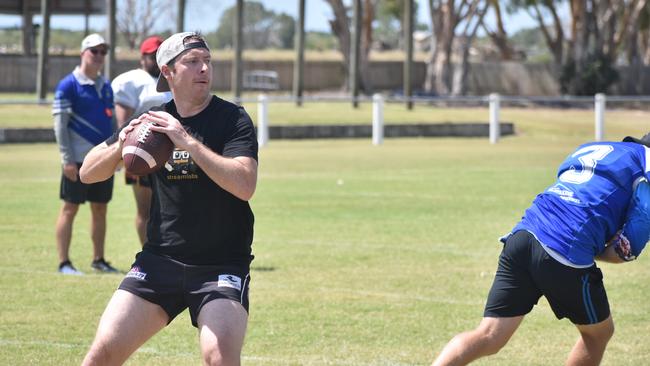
(192, 219)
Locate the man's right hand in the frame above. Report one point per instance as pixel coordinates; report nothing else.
(71, 171)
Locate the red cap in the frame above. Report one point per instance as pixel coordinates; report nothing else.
(150, 45)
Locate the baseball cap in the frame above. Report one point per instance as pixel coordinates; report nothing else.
(171, 48)
(645, 140)
(92, 40)
(150, 45)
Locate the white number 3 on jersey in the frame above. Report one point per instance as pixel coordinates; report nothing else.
(588, 158)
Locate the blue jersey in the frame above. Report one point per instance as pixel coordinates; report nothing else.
(588, 203)
(91, 110)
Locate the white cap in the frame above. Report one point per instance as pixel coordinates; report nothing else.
(171, 48)
(92, 40)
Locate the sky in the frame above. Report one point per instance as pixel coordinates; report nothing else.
(204, 15)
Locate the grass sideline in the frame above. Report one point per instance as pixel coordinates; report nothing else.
(365, 255)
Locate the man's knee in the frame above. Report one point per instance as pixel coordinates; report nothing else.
(69, 210)
(494, 333)
(492, 341)
(98, 209)
(221, 355)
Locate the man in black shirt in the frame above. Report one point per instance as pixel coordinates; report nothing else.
(198, 249)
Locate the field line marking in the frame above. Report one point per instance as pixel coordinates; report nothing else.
(305, 360)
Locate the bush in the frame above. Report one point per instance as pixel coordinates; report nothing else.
(597, 75)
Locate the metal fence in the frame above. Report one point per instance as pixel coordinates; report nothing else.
(493, 101)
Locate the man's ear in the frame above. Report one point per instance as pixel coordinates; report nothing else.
(165, 70)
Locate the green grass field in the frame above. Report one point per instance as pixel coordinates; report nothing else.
(365, 255)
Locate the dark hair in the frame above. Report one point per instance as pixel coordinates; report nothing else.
(645, 140)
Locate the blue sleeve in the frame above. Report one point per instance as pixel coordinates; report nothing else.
(637, 223)
(63, 96)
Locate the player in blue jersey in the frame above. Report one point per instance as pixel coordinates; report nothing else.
(598, 209)
(83, 118)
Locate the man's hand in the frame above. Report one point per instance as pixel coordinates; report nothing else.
(167, 124)
(622, 247)
(128, 129)
(71, 171)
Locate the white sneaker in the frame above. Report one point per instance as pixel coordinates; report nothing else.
(68, 269)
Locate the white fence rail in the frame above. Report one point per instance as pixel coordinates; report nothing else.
(493, 101)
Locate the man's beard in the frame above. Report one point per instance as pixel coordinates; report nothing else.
(153, 71)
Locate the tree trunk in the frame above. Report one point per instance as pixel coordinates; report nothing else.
(459, 86)
(439, 66)
(340, 26)
(442, 66)
(554, 42)
(578, 44)
(366, 43)
(645, 41)
(341, 29)
(436, 26)
(499, 37)
(469, 34)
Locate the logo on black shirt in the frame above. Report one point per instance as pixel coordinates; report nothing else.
(181, 166)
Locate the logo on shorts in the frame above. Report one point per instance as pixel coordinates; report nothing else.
(136, 273)
(228, 280)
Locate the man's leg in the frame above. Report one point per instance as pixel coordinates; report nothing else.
(64, 229)
(590, 347)
(143, 202)
(487, 339)
(98, 228)
(222, 327)
(128, 321)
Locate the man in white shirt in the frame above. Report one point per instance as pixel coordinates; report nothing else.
(135, 93)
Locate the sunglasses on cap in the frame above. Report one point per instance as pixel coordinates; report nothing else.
(100, 51)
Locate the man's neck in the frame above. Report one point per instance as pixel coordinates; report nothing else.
(191, 107)
(89, 71)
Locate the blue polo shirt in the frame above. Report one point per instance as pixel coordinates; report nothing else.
(89, 104)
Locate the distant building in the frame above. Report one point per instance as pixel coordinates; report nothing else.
(422, 41)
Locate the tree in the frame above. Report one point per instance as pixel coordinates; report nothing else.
(285, 30)
(389, 29)
(445, 17)
(600, 30)
(554, 33)
(263, 28)
(136, 18)
(499, 36)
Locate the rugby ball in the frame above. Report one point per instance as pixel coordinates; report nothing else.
(145, 151)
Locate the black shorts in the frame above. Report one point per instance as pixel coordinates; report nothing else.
(176, 286)
(526, 272)
(142, 181)
(78, 192)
